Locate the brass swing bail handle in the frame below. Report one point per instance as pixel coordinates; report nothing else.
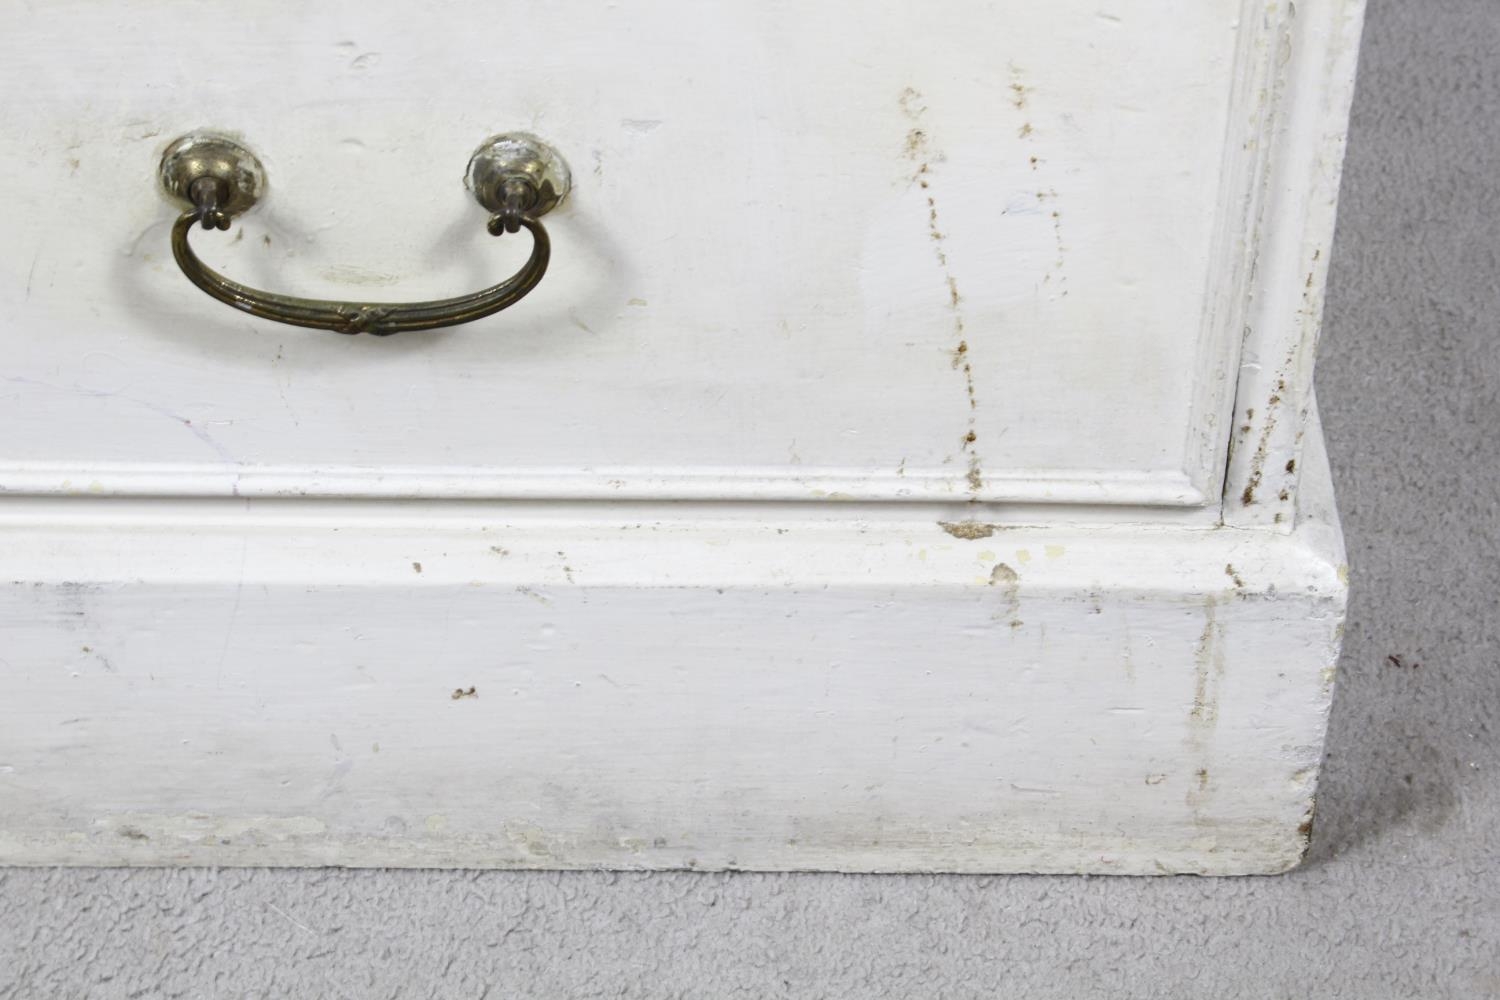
(516, 177)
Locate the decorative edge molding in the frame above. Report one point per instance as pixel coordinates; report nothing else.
(1167, 489)
(1317, 50)
(373, 545)
(1244, 178)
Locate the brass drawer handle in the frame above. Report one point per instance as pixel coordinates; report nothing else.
(516, 177)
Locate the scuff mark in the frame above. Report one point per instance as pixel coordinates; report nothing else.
(102, 660)
(539, 598)
(458, 693)
(1033, 790)
(234, 611)
(1208, 666)
(1009, 582)
(1305, 828)
(533, 840)
(346, 274)
(578, 322)
(156, 408)
(1062, 251)
(282, 381)
(1203, 716)
(203, 829)
(918, 148)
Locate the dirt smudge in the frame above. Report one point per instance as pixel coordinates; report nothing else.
(1009, 583)
(919, 150)
(1203, 715)
(969, 531)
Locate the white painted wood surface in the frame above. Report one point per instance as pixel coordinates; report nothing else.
(807, 258)
(797, 242)
(1311, 88)
(515, 688)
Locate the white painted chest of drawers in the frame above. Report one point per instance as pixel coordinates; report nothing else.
(907, 462)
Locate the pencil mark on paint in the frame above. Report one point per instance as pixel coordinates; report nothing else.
(534, 595)
(234, 612)
(579, 323)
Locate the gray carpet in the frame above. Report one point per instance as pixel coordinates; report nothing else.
(1401, 897)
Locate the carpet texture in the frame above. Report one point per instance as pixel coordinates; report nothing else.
(1401, 896)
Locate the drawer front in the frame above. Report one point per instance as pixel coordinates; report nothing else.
(956, 250)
